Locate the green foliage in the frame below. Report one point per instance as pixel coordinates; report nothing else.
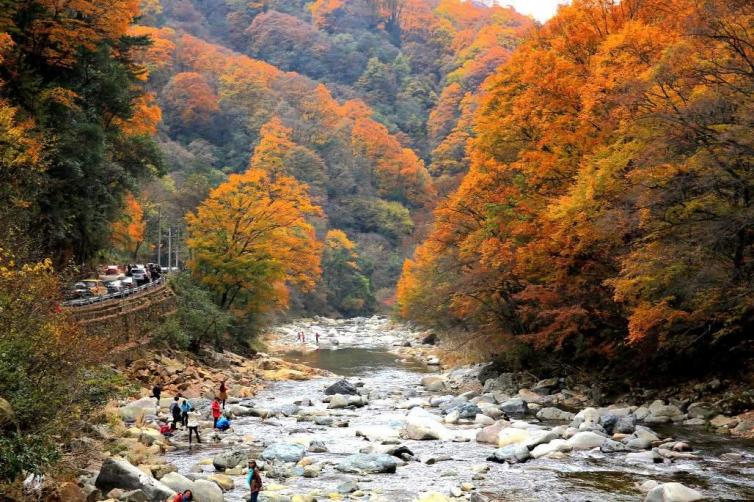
(25, 453)
(198, 320)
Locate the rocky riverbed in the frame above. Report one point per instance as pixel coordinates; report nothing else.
(399, 429)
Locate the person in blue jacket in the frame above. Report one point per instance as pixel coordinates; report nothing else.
(223, 423)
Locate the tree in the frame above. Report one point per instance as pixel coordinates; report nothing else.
(348, 289)
(128, 230)
(250, 240)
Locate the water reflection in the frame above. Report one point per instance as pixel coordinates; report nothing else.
(352, 361)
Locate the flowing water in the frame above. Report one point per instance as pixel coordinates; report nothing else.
(363, 354)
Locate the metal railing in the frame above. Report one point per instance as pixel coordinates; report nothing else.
(124, 293)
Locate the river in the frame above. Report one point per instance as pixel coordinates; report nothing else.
(363, 354)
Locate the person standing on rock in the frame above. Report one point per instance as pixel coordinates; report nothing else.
(175, 410)
(223, 393)
(193, 426)
(254, 480)
(156, 392)
(316, 337)
(216, 411)
(185, 408)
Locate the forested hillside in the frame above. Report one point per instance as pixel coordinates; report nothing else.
(607, 213)
(359, 100)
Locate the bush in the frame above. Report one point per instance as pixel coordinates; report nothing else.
(47, 368)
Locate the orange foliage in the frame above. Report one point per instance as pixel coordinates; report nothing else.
(191, 97)
(128, 230)
(250, 239)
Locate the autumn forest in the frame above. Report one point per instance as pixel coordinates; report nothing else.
(578, 192)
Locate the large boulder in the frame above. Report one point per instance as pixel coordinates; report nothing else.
(177, 482)
(368, 463)
(343, 387)
(207, 491)
(673, 492)
(511, 454)
(284, 452)
(586, 440)
(117, 473)
(229, 459)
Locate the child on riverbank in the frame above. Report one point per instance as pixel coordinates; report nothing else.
(216, 411)
(254, 481)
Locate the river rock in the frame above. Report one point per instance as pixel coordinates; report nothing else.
(207, 491)
(512, 435)
(432, 497)
(452, 418)
(546, 386)
(116, 473)
(347, 487)
(284, 452)
(468, 410)
(554, 414)
(556, 445)
(425, 427)
(342, 387)
(177, 482)
(673, 492)
(490, 433)
(611, 446)
(701, 409)
(515, 406)
(723, 422)
(491, 410)
(323, 420)
(644, 457)
(511, 454)
(228, 459)
(317, 446)
(133, 496)
(240, 411)
(338, 401)
(371, 463)
(433, 383)
(483, 420)
(312, 471)
(625, 424)
(586, 440)
(541, 437)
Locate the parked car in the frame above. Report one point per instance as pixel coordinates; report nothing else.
(140, 275)
(115, 286)
(112, 272)
(95, 287)
(128, 283)
(78, 291)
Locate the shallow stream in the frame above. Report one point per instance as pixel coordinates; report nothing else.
(363, 355)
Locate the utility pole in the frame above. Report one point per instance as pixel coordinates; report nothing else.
(170, 245)
(177, 245)
(159, 236)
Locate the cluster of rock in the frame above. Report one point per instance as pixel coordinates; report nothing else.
(181, 374)
(529, 423)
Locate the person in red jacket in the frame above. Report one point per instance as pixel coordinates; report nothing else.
(216, 411)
